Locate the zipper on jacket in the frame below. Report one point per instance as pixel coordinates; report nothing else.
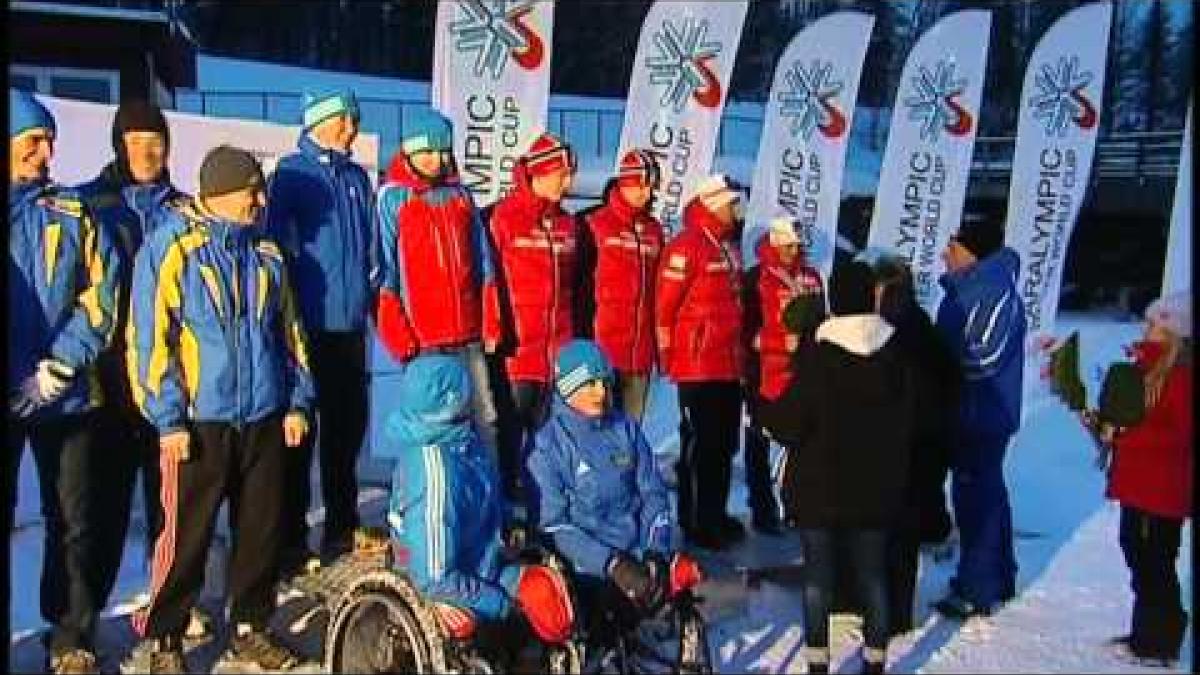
(637, 305)
(550, 324)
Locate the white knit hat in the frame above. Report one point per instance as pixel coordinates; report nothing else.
(1174, 312)
(782, 232)
(716, 191)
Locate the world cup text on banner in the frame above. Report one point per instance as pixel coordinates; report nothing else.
(805, 131)
(1056, 138)
(923, 183)
(677, 92)
(491, 77)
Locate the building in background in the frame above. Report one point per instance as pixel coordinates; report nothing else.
(101, 51)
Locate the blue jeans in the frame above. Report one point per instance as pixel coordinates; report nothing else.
(867, 550)
(987, 568)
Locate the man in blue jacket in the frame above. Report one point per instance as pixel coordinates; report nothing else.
(983, 321)
(129, 197)
(319, 209)
(63, 296)
(446, 509)
(597, 493)
(219, 365)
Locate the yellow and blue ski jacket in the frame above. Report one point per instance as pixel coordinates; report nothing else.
(214, 332)
(62, 290)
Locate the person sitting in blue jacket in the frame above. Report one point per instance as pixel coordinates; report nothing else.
(597, 493)
(446, 509)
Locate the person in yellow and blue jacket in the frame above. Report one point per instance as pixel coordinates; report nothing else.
(62, 296)
(218, 364)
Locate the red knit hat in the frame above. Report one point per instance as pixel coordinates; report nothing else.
(638, 167)
(547, 155)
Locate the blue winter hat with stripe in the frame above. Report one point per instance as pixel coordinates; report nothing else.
(26, 112)
(580, 362)
(426, 129)
(320, 105)
(433, 402)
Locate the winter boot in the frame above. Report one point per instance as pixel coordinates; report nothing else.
(74, 661)
(254, 647)
(164, 655)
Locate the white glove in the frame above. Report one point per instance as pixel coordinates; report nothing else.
(53, 378)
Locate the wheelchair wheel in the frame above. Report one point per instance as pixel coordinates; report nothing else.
(380, 625)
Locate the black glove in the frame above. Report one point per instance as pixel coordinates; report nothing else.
(632, 578)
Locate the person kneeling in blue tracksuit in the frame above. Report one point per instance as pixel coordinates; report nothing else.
(597, 492)
(446, 510)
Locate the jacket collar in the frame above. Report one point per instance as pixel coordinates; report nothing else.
(623, 210)
(859, 334)
(21, 193)
(524, 198)
(324, 156)
(696, 216)
(401, 172)
(1000, 267)
(577, 420)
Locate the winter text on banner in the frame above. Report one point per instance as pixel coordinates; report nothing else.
(806, 131)
(1058, 123)
(923, 182)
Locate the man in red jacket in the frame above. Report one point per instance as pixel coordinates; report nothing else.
(781, 275)
(434, 264)
(626, 241)
(698, 323)
(535, 242)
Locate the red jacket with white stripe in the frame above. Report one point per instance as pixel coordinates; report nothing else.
(777, 285)
(698, 306)
(628, 244)
(535, 242)
(1152, 463)
(434, 264)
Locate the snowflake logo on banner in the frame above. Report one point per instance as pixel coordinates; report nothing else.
(807, 102)
(1060, 99)
(681, 66)
(495, 30)
(934, 102)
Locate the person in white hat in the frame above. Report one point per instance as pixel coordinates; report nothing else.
(781, 275)
(1151, 478)
(698, 326)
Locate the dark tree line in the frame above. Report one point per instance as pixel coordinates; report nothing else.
(1147, 87)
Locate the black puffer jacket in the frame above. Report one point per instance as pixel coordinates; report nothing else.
(848, 427)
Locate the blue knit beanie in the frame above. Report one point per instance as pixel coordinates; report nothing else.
(425, 129)
(580, 362)
(25, 112)
(320, 105)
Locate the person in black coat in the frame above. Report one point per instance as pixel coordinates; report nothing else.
(925, 518)
(847, 429)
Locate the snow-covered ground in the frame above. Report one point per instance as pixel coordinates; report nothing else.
(1073, 585)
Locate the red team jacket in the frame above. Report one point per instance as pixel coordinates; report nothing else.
(435, 266)
(535, 243)
(1152, 463)
(628, 243)
(698, 300)
(777, 285)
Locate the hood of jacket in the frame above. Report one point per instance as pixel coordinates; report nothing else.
(859, 334)
(433, 404)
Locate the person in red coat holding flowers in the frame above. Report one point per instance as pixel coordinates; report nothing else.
(1151, 478)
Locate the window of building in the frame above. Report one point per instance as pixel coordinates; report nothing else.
(82, 84)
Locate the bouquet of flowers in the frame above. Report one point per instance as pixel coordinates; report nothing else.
(1121, 403)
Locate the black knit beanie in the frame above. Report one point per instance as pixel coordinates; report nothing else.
(228, 169)
(982, 236)
(852, 289)
(137, 115)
